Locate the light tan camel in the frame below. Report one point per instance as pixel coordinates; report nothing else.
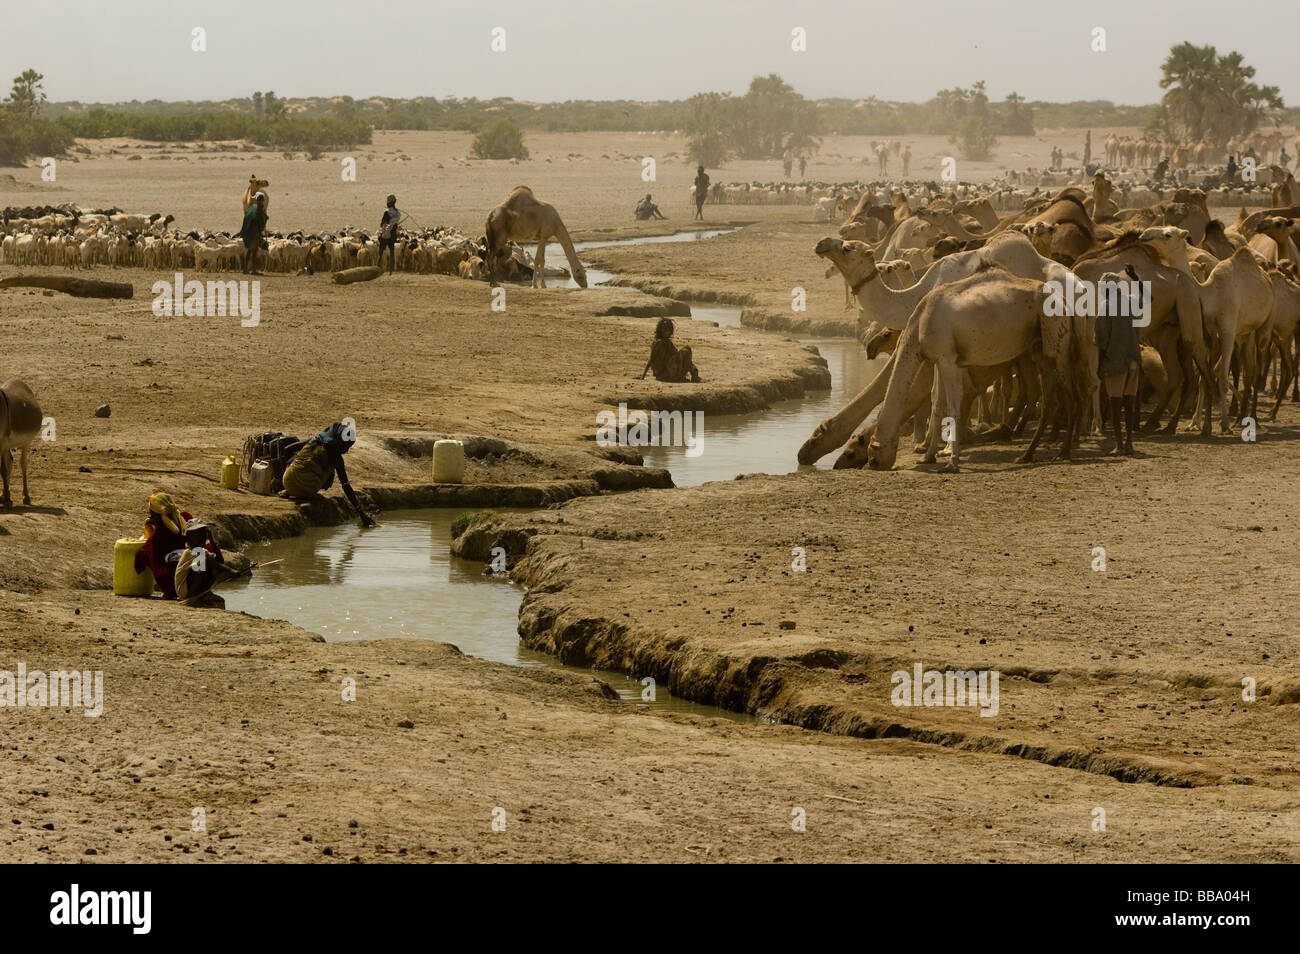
(892, 309)
(256, 185)
(1272, 240)
(522, 218)
(20, 423)
(1237, 303)
(985, 320)
(1286, 321)
(1100, 205)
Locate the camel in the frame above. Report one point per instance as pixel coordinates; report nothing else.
(520, 218)
(1273, 241)
(1286, 322)
(946, 221)
(256, 185)
(882, 158)
(1111, 144)
(985, 320)
(1237, 302)
(892, 309)
(907, 158)
(1100, 205)
(20, 422)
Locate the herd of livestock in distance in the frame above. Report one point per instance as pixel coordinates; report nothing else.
(85, 238)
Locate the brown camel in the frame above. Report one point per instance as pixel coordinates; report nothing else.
(1237, 302)
(522, 218)
(20, 422)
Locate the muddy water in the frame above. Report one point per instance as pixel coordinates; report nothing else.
(400, 579)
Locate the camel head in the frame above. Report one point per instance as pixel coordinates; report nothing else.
(1275, 227)
(854, 259)
(1039, 234)
(1165, 239)
(881, 456)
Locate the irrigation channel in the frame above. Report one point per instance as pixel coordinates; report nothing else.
(400, 580)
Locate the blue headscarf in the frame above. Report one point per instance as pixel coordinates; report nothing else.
(332, 437)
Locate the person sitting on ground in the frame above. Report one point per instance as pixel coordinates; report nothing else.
(251, 233)
(313, 468)
(668, 362)
(701, 191)
(1119, 360)
(200, 567)
(646, 209)
(164, 531)
(388, 223)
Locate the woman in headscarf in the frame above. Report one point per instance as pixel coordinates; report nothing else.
(164, 530)
(313, 468)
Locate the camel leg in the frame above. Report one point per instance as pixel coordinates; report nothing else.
(539, 262)
(919, 421)
(834, 431)
(855, 451)
(936, 421)
(950, 375)
(1287, 362)
(1046, 410)
(27, 499)
(1295, 351)
(6, 464)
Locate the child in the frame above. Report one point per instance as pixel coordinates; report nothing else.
(668, 362)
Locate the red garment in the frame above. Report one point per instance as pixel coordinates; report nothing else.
(154, 555)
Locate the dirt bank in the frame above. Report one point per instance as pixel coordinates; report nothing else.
(1135, 672)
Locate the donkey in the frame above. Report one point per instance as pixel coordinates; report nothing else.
(20, 422)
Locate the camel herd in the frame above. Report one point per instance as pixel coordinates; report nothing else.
(973, 335)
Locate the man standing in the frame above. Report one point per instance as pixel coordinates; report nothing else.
(1118, 355)
(388, 223)
(701, 191)
(1087, 149)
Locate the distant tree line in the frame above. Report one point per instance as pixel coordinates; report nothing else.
(1208, 95)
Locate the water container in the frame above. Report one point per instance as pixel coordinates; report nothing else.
(448, 462)
(260, 478)
(127, 582)
(229, 474)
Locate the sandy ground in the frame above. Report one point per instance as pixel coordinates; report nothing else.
(1118, 688)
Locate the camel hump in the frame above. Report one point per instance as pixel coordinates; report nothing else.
(522, 188)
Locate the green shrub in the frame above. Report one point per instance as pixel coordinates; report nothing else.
(501, 140)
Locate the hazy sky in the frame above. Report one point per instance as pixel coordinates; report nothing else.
(629, 49)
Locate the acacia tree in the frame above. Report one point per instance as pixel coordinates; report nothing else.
(771, 118)
(709, 128)
(27, 95)
(1211, 96)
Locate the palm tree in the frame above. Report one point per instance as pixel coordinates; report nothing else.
(1212, 96)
